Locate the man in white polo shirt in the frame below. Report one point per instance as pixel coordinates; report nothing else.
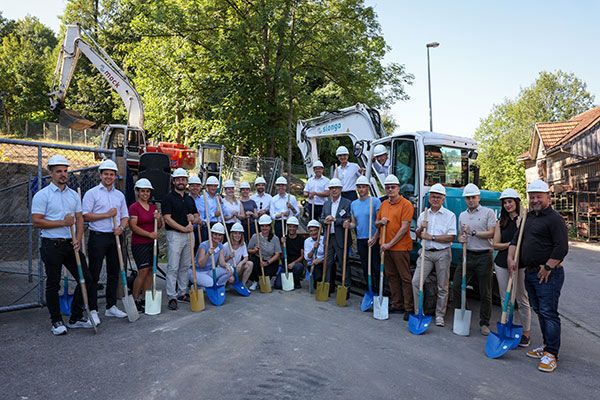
(100, 205)
(347, 173)
(283, 206)
(261, 198)
(316, 190)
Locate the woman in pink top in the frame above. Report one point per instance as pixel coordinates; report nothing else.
(141, 220)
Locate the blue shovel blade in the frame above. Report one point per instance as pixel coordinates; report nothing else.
(216, 294)
(240, 289)
(496, 345)
(514, 332)
(65, 301)
(418, 324)
(367, 301)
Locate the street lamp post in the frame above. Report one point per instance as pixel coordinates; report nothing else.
(430, 45)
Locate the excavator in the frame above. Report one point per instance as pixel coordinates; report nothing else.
(129, 140)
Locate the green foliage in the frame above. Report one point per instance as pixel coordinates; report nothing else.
(506, 132)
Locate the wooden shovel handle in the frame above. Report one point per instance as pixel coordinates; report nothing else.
(326, 252)
(344, 257)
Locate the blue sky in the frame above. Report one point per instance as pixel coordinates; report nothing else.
(488, 51)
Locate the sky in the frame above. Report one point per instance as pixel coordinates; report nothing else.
(489, 51)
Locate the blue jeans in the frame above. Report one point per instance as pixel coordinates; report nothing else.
(543, 298)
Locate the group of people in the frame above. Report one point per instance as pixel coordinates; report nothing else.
(247, 235)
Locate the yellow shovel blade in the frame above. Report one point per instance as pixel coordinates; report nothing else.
(322, 293)
(197, 300)
(265, 284)
(340, 296)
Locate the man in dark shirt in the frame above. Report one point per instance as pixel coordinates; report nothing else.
(294, 246)
(544, 245)
(180, 212)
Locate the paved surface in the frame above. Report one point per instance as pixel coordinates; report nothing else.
(287, 346)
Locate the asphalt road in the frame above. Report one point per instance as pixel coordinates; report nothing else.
(288, 346)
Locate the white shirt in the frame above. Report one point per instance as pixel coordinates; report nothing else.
(334, 208)
(54, 205)
(279, 205)
(262, 202)
(383, 169)
(348, 176)
(99, 200)
(308, 247)
(442, 222)
(238, 254)
(229, 209)
(317, 185)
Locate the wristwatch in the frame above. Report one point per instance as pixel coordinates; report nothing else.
(433, 238)
(473, 232)
(548, 268)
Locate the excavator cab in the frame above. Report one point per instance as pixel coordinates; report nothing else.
(128, 142)
(210, 159)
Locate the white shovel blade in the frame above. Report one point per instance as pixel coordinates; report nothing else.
(152, 306)
(462, 322)
(287, 284)
(130, 308)
(380, 308)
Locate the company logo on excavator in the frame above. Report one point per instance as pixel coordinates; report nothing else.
(114, 81)
(330, 128)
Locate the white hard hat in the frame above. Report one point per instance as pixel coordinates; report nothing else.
(228, 184)
(264, 220)
(509, 193)
(362, 180)
(108, 164)
(538, 186)
(391, 180)
(218, 228)
(438, 188)
(58, 160)
(313, 223)
(341, 151)
(180, 173)
(293, 221)
(471, 190)
(212, 180)
(237, 227)
(244, 185)
(335, 182)
(379, 150)
(143, 184)
(259, 180)
(194, 180)
(318, 164)
(281, 181)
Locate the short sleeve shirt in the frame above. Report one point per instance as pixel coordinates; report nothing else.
(268, 248)
(99, 200)
(360, 212)
(397, 213)
(348, 175)
(308, 247)
(238, 254)
(208, 265)
(442, 222)
(178, 207)
(294, 247)
(145, 221)
(317, 185)
(262, 202)
(480, 219)
(55, 205)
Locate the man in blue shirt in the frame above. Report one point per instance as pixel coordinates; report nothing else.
(54, 210)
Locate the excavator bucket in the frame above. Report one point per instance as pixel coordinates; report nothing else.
(73, 120)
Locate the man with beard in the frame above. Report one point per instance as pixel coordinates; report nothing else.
(262, 199)
(212, 184)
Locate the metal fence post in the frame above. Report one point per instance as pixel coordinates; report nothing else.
(56, 132)
(85, 136)
(70, 136)
(40, 266)
(29, 231)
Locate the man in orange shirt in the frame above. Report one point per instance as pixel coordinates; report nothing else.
(396, 214)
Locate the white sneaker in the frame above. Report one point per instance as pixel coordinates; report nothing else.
(115, 312)
(254, 286)
(439, 321)
(58, 328)
(83, 323)
(95, 317)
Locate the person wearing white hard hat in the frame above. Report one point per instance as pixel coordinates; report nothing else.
(361, 209)
(236, 253)
(544, 246)
(347, 173)
(283, 205)
(195, 192)
(316, 190)
(101, 204)
(250, 209)
(505, 230)
(270, 250)
(313, 243)
(396, 214)
(336, 211)
(180, 214)
(213, 214)
(261, 198)
(231, 206)
(204, 260)
(437, 234)
(294, 244)
(54, 209)
(382, 162)
(142, 215)
(476, 230)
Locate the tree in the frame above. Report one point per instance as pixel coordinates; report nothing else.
(506, 132)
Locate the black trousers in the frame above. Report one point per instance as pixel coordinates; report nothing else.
(270, 270)
(297, 270)
(277, 227)
(335, 257)
(363, 252)
(102, 245)
(248, 231)
(350, 195)
(55, 254)
(318, 211)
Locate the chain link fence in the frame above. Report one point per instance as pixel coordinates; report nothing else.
(248, 168)
(22, 173)
(44, 131)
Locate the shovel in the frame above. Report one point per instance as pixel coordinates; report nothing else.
(84, 293)
(65, 299)
(342, 291)
(263, 281)
(128, 302)
(310, 277)
(462, 316)
(238, 286)
(367, 301)
(216, 293)
(380, 303)
(196, 295)
(153, 297)
(322, 293)
(418, 324)
(512, 330)
(287, 280)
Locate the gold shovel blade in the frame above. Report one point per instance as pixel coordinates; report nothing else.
(265, 284)
(340, 296)
(322, 291)
(197, 300)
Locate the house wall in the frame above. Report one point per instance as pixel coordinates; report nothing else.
(586, 144)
